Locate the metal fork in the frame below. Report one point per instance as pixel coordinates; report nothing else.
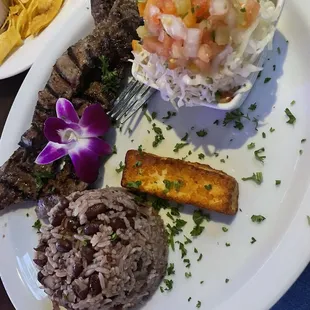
(132, 98)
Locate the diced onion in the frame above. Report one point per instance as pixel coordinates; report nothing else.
(219, 7)
(174, 26)
(191, 44)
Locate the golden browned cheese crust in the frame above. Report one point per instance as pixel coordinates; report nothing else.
(193, 181)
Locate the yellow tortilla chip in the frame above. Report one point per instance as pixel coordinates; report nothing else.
(8, 40)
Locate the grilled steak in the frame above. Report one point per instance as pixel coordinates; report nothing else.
(75, 76)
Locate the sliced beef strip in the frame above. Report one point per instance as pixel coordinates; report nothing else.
(68, 70)
(46, 99)
(100, 9)
(9, 195)
(96, 94)
(58, 86)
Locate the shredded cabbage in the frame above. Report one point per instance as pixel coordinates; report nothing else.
(232, 68)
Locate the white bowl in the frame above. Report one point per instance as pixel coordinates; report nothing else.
(239, 99)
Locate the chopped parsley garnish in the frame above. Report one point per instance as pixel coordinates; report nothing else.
(168, 185)
(308, 218)
(303, 140)
(208, 187)
(243, 10)
(169, 127)
(113, 237)
(109, 78)
(170, 216)
(216, 122)
(202, 282)
(195, 250)
(227, 244)
(272, 130)
(159, 203)
(154, 114)
(197, 230)
(279, 50)
(267, 80)
(135, 184)
(175, 211)
(257, 218)
(170, 114)
(182, 249)
(216, 154)
(222, 161)
(161, 289)
(37, 225)
(292, 118)
(226, 280)
(259, 157)
(170, 269)
(301, 152)
(278, 182)
(42, 178)
(199, 258)
(188, 274)
(293, 102)
(251, 146)
(274, 67)
(114, 149)
(187, 262)
(253, 240)
(198, 305)
(256, 177)
(264, 135)
(121, 167)
(201, 133)
(225, 229)
(27, 214)
(138, 164)
(189, 299)
(140, 150)
(235, 116)
(187, 240)
(199, 217)
(169, 284)
(149, 119)
(253, 107)
(158, 137)
(185, 137)
(255, 121)
(179, 146)
(201, 156)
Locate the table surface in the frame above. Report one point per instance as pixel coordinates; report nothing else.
(297, 298)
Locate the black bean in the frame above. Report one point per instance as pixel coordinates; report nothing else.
(94, 284)
(117, 223)
(80, 291)
(63, 203)
(93, 211)
(77, 270)
(87, 252)
(63, 246)
(91, 229)
(40, 277)
(71, 224)
(57, 219)
(40, 262)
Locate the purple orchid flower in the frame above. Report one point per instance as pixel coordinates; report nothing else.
(78, 138)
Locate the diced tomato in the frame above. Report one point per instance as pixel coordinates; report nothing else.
(169, 7)
(251, 11)
(190, 20)
(201, 8)
(152, 45)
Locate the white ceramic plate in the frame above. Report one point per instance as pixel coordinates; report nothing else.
(24, 56)
(259, 273)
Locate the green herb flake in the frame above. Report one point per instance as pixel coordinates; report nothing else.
(274, 67)
(292, 118)
(251, 146)
(189, 299)
(199, 258)
(226, 280)
(188, 274)
(222, 161)
(253, 240)
(243, 10)
(135, 184)
(257, 218)
(168, 127)
(202, 282)
(227, 244)
(264, 135)
(308, 218)
(235, 116)
(225, 229)
(154, 115)
(258, 155)
(121, 167)
(272, 130)
(110, 79)
(201, 156)
(114, 149)
(140, 150)
(197, 230)
(253, 107)
(256, 177)
(159, 137)
(279, 50)
(208, 187)
(185, 137)
(161, 289)
(301, 152)
(278, 182)
(293, 102)
(27, 214)
(169, 115)
(138, 164)
(37, 225)
(303, 140)
(182, 249)
(169, 284)
(113, 237)
(195, 250)
(201, 133)
(179, 146)
(199, 217)
(187, 262)
(267, 80)
(198, 305)
(170, 269)
(187, 240)
(216, 122)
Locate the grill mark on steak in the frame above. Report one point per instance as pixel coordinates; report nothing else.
(100, 9)
(111, 38)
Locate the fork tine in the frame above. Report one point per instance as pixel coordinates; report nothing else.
(137, 104)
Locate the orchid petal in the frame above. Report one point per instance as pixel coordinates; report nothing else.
(96, 145)
(50, 153)
(52, 127)
(65, 110)
(86, 164)
(94, 121)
